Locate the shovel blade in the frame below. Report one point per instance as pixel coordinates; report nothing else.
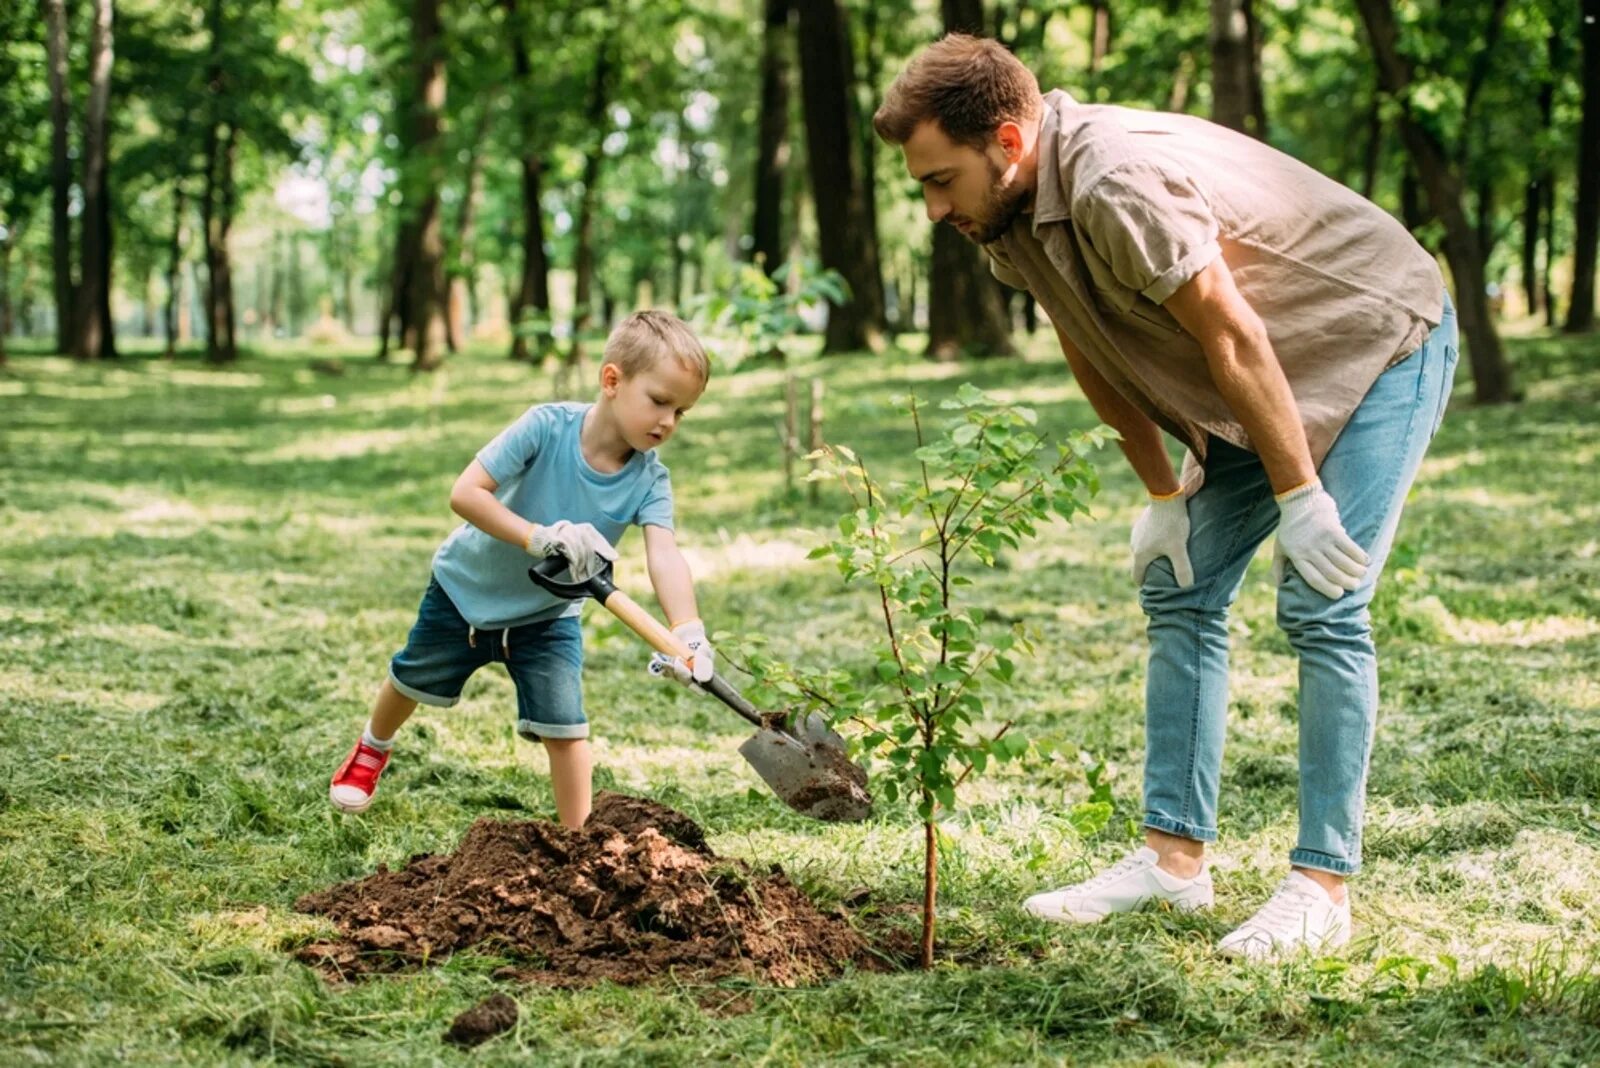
(810, 771)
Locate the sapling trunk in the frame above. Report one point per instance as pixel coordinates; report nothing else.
(930, 883)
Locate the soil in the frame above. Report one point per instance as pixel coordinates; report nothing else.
(632, 896)
(483, 1021)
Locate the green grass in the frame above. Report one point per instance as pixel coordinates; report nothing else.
(202, 574)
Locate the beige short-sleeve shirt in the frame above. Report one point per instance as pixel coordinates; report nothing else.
(1131, 205)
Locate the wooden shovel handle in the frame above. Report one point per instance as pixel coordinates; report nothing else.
(646, 626)
(663, 640)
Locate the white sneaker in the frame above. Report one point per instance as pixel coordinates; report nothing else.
(1123, 887)
(1299, 915)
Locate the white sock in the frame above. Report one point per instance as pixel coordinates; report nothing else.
(382, 745)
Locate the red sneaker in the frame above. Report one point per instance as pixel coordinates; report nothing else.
(357, 778)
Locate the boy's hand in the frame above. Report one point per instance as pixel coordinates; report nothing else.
(702, 664)
(584, 547)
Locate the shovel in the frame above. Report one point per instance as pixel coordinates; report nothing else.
(804, 764)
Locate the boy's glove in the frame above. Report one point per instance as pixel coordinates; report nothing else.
(584, 547)
(1312, 537)
(1162, 529)
(702, 664)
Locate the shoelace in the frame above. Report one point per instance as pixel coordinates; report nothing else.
(1116, 871)
(1285, 907)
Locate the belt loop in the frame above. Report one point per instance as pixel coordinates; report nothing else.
(472, 636)
(505, 643)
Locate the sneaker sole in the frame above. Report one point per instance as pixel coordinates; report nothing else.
(345, 806)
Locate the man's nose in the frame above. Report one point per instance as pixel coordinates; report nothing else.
(938, 207)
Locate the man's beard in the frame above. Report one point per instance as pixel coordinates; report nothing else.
(1001, 206)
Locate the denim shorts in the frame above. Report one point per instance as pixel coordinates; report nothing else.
(545, 660)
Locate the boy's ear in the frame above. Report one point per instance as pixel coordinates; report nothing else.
(610, 377)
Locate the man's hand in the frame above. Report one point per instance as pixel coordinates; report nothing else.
(702, 661)
(1312, 538)
(584, 547)
(1162, 529)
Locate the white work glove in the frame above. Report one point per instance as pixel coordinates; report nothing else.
(1162, 529)
(1312, 538)
(702, 661)
(585, 548)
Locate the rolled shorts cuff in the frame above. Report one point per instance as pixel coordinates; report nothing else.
(422, 698)
(534, 731)
(1180, 828)
(1310, 858)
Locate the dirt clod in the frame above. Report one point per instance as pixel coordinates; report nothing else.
(492, 1016)
(634, 894)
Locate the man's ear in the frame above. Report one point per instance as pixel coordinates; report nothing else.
(1009, 136)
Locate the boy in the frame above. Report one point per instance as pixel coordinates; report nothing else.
(568, 479)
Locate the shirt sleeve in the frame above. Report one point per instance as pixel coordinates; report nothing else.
(1152, 225)
(1001, 267)
(514, 448)
(656, 508)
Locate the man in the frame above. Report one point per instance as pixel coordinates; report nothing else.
(1300, 344)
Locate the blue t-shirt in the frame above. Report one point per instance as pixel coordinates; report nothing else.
(538, 465)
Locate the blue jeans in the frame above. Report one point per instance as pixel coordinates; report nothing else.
(1368, 472)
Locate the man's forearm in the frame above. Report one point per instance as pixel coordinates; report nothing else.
(1251, 380)
(1141, 442)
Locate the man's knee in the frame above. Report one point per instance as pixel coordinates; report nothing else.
(1307, 617)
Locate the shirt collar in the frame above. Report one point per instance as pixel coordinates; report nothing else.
(1050, 202)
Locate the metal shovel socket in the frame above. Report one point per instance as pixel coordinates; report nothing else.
(804, 764)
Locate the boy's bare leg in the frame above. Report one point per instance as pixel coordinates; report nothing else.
(390, 710)
(570, 768)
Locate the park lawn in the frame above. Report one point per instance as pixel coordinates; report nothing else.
(203, 572)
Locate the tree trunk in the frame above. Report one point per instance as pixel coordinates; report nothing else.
(1182, 83)
(91, 340)
(930, 885)
(1533, 196)
(60, 172)
(427, 291)
(1236, 100)
(5, 290)
(1490, 373)
(848, 243)
(174, 270)
(533, 290)
(966, 307)
(1580, 309)
(1099, 38)
(462, 286)
(597, 121)
(772, 151)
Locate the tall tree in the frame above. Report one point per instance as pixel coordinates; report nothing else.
(772, 149)
(1580, 310)
(597, 120)
(848, 241)
(967, 310)
(532, 295)
(60, 171)
(427, 285)
(92, 334)
(1236, 96)
(217, 200)
(1491, 375)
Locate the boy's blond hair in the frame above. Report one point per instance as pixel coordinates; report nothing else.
(644, 337)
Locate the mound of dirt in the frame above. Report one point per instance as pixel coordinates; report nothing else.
(634, 894)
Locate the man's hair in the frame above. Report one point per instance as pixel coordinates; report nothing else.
(968, 85)
(644, 337)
